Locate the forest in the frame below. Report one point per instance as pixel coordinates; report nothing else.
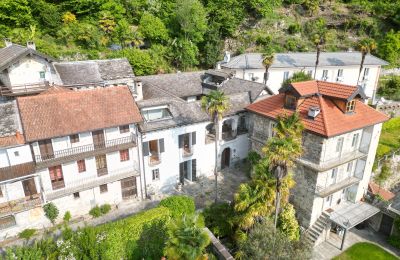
(161, 36)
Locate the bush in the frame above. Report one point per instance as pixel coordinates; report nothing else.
(297, 77)
(390, 89)
(179, 205)
(219, 219)
(294, 28)
(27, 233)
(67, 216)
(95, 212)
(104, 209)
(51, 212)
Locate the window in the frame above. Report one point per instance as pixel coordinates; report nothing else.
(366, 73)
(350, 106)
(309, 73)
(101, 165)
(290, 101)
(124, 129)
(272, 131)
(156, 113)
(7, 222)
(153, 149)
(124, 155)
(339, 145)
(156, 174)
(187, 170)
(349, 166)
(285, 75)
(334, 173)
(56, 177)
(251, 76)
(324, 74)
(81, 165)
(186, 141)
(42, 74)
(103, 188)
(340, 75)
(16, 153)
(355, 140)
(76, 195)
(74, 138)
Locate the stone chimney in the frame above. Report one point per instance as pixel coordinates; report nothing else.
(138, 89)
(7, 42)
(31, 45)
(227, 56)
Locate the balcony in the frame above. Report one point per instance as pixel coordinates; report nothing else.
(340, 185)
(228, 135)
(79, 152)
(58, 185)
(154, 159)
(102, 172)
(24, 89)
(91, 182)
(17, 171)
(19, 205)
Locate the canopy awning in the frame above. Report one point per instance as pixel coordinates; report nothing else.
(350, 214)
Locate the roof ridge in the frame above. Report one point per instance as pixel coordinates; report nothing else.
(321, 102)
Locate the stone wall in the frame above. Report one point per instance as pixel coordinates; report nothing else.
(312, 147)
(391, 109)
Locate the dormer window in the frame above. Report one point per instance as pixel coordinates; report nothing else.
(350, 106)
(290, 102)
(156, 113)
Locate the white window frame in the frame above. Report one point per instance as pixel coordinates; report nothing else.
(285, 75)
(339, 144)
(354, 141)
(325, 75)
(155, 174)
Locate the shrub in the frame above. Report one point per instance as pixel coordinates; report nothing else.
(27, 233)
(179, 205)
(95, 212)
(51, 212)
(294, 28)
(67, 216)
(104, 209)
(218, 218)
(288, 224)
(297, 77)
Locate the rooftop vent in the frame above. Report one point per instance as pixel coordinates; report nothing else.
(227, 56)
(7, 42)
(313, 112)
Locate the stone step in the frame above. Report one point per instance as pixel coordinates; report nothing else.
(313, 234)
(318, 228)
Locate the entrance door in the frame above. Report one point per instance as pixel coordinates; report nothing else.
(386, 225)
(46, 149)
(128, 188)
(29, 187)
(98, 138)
(225, 158)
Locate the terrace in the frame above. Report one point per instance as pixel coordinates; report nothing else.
(19, 205)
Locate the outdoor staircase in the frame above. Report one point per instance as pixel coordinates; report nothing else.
(315, 231)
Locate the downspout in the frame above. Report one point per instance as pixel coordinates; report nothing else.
(140, 155)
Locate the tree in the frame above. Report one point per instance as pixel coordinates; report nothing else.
(389, 48)
(51, 212)
(365, 46)
(15, 13)
(287, 223)
(185, 239)
(211, 47)
(283, 149)
(319, 41)
(140, 60)
(184, 53)
(153, 29)
(297, 77)
(215, 104)
(268, 59)
(190, 15)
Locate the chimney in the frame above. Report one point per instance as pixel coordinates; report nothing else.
(227, 56)
(138, 90)
(313, 112)
(218, 66)
(7, 42)
(19, 137)
(31, 45)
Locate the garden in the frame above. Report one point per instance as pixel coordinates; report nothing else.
(365, 251)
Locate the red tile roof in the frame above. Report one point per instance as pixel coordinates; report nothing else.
(60, 112)
(330, 89)
(376, 190)
(330, 121)
(12, 140)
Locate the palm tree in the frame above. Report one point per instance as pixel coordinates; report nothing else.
(283, 149)
(365, 46)
(267, 62)
(185, 239)
(319, 41)
(215, 104)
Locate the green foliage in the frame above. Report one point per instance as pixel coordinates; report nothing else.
(152, 28)
(296, 77)
(51, 212)
(294, 28)
(211, 47)
(186, 240)
(365, 250)
(95, 212)
(190, 16)
(390, 88)
(67, 216)
(384, 174)
(140, 60)
(27, 233)
(287, 223)
(15, 13)
(32, 252)
(219, 219)
(390, 137)
(179, 205)
(105, 208)
(253, 158)
(394, 239)
(263, 8)
(152, 240)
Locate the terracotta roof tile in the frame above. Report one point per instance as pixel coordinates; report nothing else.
(12, 140)
(61, 113)
(330, 121)
(376, 190)
(330, 89)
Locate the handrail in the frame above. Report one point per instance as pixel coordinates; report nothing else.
(347, 180)
(22, 89)
(85, 148)
(19, 205)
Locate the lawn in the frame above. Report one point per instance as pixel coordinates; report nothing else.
(390, 137)
(365, 251)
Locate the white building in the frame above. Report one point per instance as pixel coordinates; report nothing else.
(339, 67)
(340, 140)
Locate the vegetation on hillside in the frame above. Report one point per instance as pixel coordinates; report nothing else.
(390, 137)
(161, 36)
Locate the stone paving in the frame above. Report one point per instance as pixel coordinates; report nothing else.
(331, 247)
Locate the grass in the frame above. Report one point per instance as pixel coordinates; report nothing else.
(390, 137)
(365, 251)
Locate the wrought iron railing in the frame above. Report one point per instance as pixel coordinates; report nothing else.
(85, 148)
(24, 89)
(19, 205)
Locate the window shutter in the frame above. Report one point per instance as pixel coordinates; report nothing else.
(193, 138)
(180, 141)
(145, 148)
(161, 143)
(194, 170)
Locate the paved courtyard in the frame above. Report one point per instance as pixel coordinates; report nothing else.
(331, 247)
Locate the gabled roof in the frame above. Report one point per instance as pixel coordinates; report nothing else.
(328, 89)
(60, 112)
(331, 121)
(301, 59)
(14, 52)
(93, 71)
(10, 126)
(376, 190)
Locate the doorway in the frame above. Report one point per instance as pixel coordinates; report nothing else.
(98, 139)
(128, 188)
(386, 225)
(29, 188)
(225, 158)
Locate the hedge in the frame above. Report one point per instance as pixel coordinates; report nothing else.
(179, 205)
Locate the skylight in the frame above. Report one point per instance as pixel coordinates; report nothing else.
(156, 113)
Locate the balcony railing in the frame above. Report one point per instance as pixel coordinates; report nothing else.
(87, 150)
(19, 205)
(58, 185)
(17, 171)
(154, 159)
(102, 171)
(334, 187)
(24, 89)
(91, 182)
